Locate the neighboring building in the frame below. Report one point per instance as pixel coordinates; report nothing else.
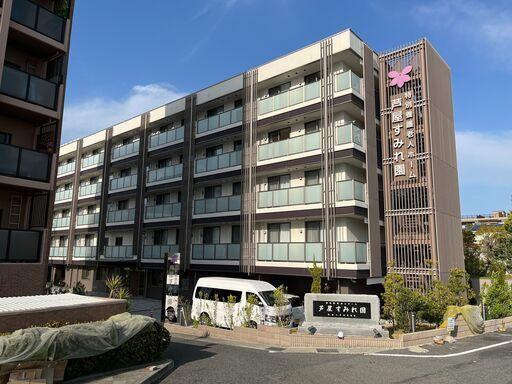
(473, 222)
(34, 47)
(259, 175)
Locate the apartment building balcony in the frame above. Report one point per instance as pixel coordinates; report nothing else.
(167, 174)
(352, 252)
(224, 205)
(88, 220)
(220, 122)
(118, 252)
(63, 195)
(26, 87)
(122, 216)
(61, 222)
(92, 161)
(167, 138)
(291, 252)
(311, 194)
(157, 253)
(58, 253)
(161, 212)
(351, 190)
(89, 190)
(39, 19)
(125, 151)
(219, 163)
(123, 183)
(66, 169)
(24, 163)
(349, 134)
(228, 252)
(348, 81)
(86, 252)
(298, 145)
(20, 246)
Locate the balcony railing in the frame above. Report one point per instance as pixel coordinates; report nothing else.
(125, 150)
(24, 163)
(118, 252)
(351, 190)
(61, 222)
(221, 120)
(225, 160)
(157, 252)
(230, 251)
(66, 168)
(291, 97)
(123, 182)
(121, 215)
(60, 252)
(39, 19)
(347, 80)
(166, 138)
(349, 133)
(93, 160)
(88, 219)
(90, 189)
(310, 194)
(292, 146)
(292, 252)
(166, 173)
(163, 211)
(19, 246)
(63, 194)
(217, 205)
(84, 251)
(352, 252)
(27, 87)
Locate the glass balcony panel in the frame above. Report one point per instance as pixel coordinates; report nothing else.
(342, 81)
(347, 252)
(346, 190)
(314, 252)
(357, 135)
(89, 189)
(296, 252)
(176, 209)
(280, 197)
(14, 83)
(281, 101)
(200, 206)
(236, 158)
(266, 105)
(359, 191)
(88, 219)
(221, 251)
(265, 251)
(34, 165)
(24, 12)
(264, 199)
(313, 194)
(296, 145)
(312, 91)
(50, 24)
(235, 203)
(280, 251)
(222, 204)
(224, 160)
(60, 222)
(209, 251)
(200, 165)
(125, 150)
(296, 196)
(361, 249)
(197, 251)
(312, 141)
(84, 251)
(210, 205)
(234, 251)
(264, 152)
(58, 251)
(202, 126)
(212, 163)
(63, 194)
(24, 246)
(225, 118)
(42, 92)
(355, 82)
(237, 115)
(345, 134)
(9, 159)
(4, 242)
(90, 161)
(213, 122)
(296, 95)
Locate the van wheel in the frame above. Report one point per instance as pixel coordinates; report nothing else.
(204, 319)
(252, 324)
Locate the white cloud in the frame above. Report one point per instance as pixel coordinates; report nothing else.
(90, 115)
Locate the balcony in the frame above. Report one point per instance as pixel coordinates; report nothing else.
(39, 19)
(164, 139)
(58, 252)
(63, 195)
(157, 252)
(226, 252)
(221, 204)
(121, 216)
(66, 169)
(351, 190)
(166, 174)
(24, 163)
(291, 252)
(352, 252)
(163, 211)
(348, 80)
(295, 145)
(349, 133)
(88, 219)
(61, 222)
(92, 160)
(126, 150)
(118, 252)
(122, 183)
(84, 252)
(219, 121)
(93, 189)
(26, 87)
(20, 246)
(311, 194)
(214, 163)
(289, 98)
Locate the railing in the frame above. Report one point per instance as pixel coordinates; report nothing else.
(352, 252)
(292, 146)
(39, 19)
(93, 160)
(292, 252)
(221, 120)
(88, 219)
(125, 150)
(61, 222)
(291, 97)
(27, 87)
(349, 133)
(24, 163)
(118, 252)
(310, 194)
(347, 80)
(230, 251)
(167, 137)
(121, 215)
(351, 190)
(63, 194)
(123, 182)
(217, 204)
(90, 189)
(58, 251)
(66, 168)
(84, 251)
(225, 160)
(163, 210)
(157, 252)
(167, 173)
(19, 246)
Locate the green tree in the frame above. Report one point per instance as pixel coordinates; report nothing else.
(437, 299)
(316, 274)
(400, 301)
(503, 251)
(475, 267)
(459, 287)
(498, 295)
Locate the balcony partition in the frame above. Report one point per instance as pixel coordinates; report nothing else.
(167, 173)
(130, 149)
(349, 133)
(162, 211)
(217, 205)
(292, 146)
(351, 190)
(219, 121)
(166, 138)
(291, 252)
(118, 252)
(348, 80)
(352, 252)
(90, 189)
(93, 160)
(225, 160)
(121, 215)
(88, 219)
(58, 252)
(310, 194)
(157, 252)
(20, 246)
(123, 182)
(63, 194)
(289, 98)
(228, 251)
(24, 163)
(40, 19)
(61, 222)
(84, 251)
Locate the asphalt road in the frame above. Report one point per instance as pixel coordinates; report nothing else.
(203, 361)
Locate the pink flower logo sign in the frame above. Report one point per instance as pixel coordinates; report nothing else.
(399, 78)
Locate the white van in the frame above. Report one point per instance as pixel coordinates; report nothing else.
(211, 303)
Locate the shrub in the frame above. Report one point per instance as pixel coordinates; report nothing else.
(498, 295)
(79, 289)
(316, 275)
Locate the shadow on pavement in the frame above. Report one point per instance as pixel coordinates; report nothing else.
(186, 351)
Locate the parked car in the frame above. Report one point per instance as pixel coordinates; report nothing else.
(212, 305)
(297, 304)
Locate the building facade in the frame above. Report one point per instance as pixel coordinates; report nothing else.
(34, 47)
(263, 175)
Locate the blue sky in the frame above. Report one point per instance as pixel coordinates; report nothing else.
(126, 59)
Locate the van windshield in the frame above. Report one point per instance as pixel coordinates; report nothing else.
(268, 296)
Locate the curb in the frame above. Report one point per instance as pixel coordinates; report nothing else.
(159, 375)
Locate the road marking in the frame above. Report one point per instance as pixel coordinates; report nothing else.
(448, 355)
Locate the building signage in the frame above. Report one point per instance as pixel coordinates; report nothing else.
(344, 309)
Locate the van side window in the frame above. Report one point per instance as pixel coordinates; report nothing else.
(255, 297)
(204, 293)
(217, 294)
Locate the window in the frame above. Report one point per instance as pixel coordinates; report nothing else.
(88, 240)
(312, 126)
(239, 103)
(101, 274)
(93, 180)
(211, 235)
(217, 294)
(255, 299)
(63, 241)
(119, 241)
(157, 278)
(69, 186)
(91, 209)
(214, 111)
(278, 233)
(127, 140)
(162, 163)
(86, 273)
(5, 138)
(313, 231)
(235, 234)
(278, 182)
(313, 78)
(160, 237)
(125, 172)
(312, 177)
(237, 145)
(279, 89)
(214, 151)
(122, 204)
(237, 188)
(162, 199)
(279, 135)
(212, 191)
